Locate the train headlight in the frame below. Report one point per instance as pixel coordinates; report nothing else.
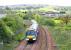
(27, 39)
(34, 38)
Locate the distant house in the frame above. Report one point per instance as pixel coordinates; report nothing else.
(52, 14)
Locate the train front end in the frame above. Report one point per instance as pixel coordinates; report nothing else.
(31, 35)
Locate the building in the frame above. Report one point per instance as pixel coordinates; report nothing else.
(52, 14)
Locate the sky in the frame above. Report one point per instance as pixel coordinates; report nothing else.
(49, 2)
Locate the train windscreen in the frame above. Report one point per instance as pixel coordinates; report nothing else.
(30, 33)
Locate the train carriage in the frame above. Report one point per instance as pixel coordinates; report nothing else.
(31, 34)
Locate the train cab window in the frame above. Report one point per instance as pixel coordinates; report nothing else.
(30, 33)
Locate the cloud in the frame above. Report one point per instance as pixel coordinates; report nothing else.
(50, 2)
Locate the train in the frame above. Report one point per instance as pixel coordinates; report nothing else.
(32, 32)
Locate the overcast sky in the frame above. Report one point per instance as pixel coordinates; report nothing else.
(49, 2)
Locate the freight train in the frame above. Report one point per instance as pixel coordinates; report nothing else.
(32, 32)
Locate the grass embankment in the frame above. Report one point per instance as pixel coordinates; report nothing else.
(62, 36)
(10, 46)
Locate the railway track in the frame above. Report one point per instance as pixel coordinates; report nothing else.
(44, 39)
(21, 46)
(50, 41)
(44, 42)
(37, 44)
(28, 47)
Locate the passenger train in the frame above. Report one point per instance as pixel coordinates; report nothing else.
(31, 34)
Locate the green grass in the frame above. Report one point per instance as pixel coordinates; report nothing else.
(10, 46)
(20, 36)
(60, 32)
(57, 21)
(62, 37)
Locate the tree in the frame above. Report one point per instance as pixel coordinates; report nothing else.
(5, 32)
(7, 8)
(37, 17)
(65, 19)
(9, 25)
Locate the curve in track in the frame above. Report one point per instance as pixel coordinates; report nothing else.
(44, 41)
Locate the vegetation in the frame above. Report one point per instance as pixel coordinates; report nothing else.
(66, 19)
(61, 33)
(12, 28)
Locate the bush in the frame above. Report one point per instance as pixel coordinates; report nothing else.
(9, 26)
(48, 22)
